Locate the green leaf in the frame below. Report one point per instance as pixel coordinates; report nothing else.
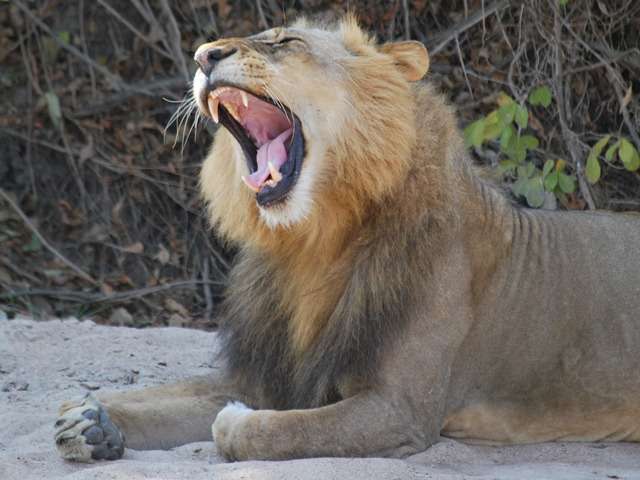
(593, 168)
(526, 170)
(505, 138)
(535, 192)
(540, 96)
(508, 112)
(65, 37)
(492, 131)
(519, 152)
(629, 155)
(600, 144)
(611, 151)
(548, 166)
(520, 187)
(505, 166)
(474, 133)
(504, 99)
(493, 118)
(522, 116)
(53, 105)
(563, 3)
(567, 183)
(530, 142)
(551, 180)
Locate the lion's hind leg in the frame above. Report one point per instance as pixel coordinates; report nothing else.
(85, 432)
(515, 423)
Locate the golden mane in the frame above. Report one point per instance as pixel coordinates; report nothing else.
(377, 175)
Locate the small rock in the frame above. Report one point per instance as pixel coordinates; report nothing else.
(120, 316)
(130, 378)
(176, 307)
(15, 386)
(176, 320)
(90, 386)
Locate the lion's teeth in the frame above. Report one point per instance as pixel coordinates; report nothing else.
(213, 107)
(231, 108)
(275, 173)
(246, 182)
(245, 98)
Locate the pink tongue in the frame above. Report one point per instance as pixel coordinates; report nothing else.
(273, 151)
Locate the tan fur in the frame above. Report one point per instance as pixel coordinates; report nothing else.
(343, 192)
(405, 297)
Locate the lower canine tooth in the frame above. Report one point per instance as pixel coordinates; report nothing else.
(213, 107)
(246, 182)
(245, 98)
(275, 173)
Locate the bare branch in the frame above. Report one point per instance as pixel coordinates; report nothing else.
(44, 241)
(451, 34)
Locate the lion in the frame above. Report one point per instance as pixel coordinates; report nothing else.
(385, 293)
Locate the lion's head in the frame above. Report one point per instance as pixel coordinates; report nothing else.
(318, 125)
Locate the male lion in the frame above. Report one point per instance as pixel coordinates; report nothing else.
(384, 294)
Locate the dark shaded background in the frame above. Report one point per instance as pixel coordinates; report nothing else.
(99, 211)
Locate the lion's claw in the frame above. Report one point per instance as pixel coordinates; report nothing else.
(84, 432)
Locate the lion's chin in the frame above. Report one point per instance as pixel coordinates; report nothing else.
(270, 136)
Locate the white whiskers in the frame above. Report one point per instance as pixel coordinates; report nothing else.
(186, 118)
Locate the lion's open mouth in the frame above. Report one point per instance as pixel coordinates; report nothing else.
(270, 135)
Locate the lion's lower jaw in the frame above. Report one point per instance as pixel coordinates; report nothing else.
(294, 209)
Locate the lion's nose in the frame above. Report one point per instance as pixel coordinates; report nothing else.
(207, 56)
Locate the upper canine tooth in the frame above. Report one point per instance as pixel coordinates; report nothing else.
(275, 173)
(245, 98)
(213, 107)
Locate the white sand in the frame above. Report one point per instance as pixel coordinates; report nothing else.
(45, 363)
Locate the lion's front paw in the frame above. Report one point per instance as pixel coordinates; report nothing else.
(84, 432)
(228, 429)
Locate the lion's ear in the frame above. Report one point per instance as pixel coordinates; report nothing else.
(411, 57)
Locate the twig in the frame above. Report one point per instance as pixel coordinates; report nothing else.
(173, 42)
(407, 25)
(134, 30)
(567, 133)
(263, 19)
(452, 33)
(28, 140)
(114, 79)
(85, 49)
(27, 68)
(87, 297)
(16, 269)
(44, 242)
(147, 89)
(614, 79)
(464, 68)
(623, 107)
(207, 289)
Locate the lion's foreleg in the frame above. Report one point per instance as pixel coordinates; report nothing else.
(367, 424)
(152, 418)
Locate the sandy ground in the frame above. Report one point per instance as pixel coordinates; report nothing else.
(45, 363)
